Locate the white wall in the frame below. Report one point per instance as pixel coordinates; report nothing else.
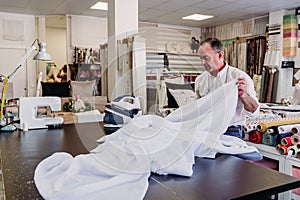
(56, 45)
(15, 39)
(85, 31)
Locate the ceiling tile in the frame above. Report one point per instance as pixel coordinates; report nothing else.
(158, 11)
(16, 3)
(211, 4)
(150, 3)
(46, 5)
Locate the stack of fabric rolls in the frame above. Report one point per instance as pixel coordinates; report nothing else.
(282, 133)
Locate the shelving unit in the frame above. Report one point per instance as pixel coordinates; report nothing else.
(285, 164)
(289, 164)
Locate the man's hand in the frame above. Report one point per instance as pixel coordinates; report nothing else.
(249, 103)
(242, 86)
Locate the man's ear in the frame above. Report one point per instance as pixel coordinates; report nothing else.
(221, 54)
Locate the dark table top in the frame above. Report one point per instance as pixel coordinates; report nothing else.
(225, 177)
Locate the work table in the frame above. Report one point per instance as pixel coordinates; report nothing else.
(22, 151)
(225, 177)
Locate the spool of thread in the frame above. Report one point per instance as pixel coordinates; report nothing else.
(295, 139)
(255, 137)
(286, 141)
(283, 150)
(296, 129)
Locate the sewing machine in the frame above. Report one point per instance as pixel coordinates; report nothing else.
(28, 108)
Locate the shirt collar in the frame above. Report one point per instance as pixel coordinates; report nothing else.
(222, 74)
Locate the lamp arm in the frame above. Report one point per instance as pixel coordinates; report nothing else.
(24, 58)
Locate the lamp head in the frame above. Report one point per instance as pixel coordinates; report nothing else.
(42, 54)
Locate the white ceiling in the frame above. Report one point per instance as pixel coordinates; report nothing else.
(159, 11)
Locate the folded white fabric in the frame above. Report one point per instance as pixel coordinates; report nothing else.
(120, 166)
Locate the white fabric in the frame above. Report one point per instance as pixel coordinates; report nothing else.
(206, 83)
(296, 95)
(120, 166)
(183, 96)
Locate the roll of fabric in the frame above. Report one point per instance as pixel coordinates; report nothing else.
(298, 154)
(286, 141)
(296, 129)
(273, 130)
(263, 126)
(283, 150)
(291, 114)
(255, 137)
(268, 139)
(285, 128)
(295, 138)
(282, 135)
(270, 87)
(250, 127)
(293, 149)
(246, 136)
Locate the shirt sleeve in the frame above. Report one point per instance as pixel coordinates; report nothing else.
(251, 91)
(197, 86)
(201, 86)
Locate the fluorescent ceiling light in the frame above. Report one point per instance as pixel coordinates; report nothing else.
(100, 6)
(198, 17)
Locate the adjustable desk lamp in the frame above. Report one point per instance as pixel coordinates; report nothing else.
(41, 55)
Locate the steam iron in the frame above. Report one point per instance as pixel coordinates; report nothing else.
(120, 112)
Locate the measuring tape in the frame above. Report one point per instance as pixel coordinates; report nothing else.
(3, 97)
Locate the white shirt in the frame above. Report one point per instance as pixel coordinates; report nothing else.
(206, 83)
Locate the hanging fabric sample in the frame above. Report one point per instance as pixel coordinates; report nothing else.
(229, 52)
(241, 55)
(290, 29)
(256, 48)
